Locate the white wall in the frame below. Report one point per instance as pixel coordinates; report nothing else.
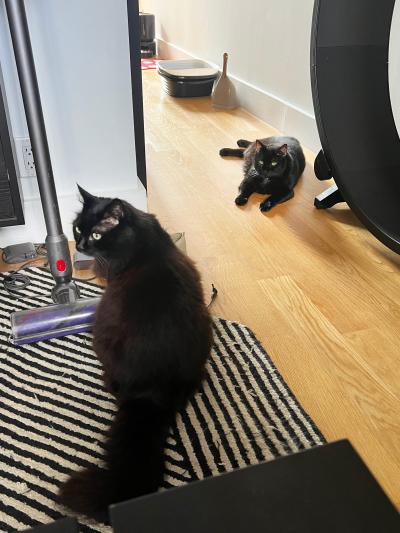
(269, 46)
(81, 51)
(394, 65)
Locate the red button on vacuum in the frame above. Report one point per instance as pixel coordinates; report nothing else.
(61, 265)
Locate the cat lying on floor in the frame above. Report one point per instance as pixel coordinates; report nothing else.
(272, 166)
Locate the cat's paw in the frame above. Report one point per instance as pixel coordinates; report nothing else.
(266, 206)
(224, 152)
(241, 200)
(242, 143)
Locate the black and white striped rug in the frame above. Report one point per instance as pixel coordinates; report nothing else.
(54, 412)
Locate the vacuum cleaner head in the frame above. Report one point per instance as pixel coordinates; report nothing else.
(43, 323)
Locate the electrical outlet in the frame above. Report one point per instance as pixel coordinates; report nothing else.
(28, 158)
(26, 162)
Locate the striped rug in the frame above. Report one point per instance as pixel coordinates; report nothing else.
(54, 413)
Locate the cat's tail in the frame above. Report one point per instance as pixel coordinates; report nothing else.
(232, 152)
(236, 152)
(134, 461)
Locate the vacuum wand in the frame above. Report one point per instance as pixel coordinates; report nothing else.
(58, 254)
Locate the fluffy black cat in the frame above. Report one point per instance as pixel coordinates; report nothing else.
(153, 334)
(272, 166)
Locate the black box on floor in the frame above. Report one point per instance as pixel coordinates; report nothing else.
(324, 490)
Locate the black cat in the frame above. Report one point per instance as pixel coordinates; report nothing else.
(271, 166)
(152, 334)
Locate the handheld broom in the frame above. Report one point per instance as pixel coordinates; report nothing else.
(224, 92)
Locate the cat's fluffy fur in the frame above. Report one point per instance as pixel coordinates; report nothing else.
(153, 334)
(272, 166)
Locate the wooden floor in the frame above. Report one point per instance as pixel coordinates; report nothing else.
(319, 291)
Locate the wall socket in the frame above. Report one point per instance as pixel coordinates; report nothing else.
(26, 162)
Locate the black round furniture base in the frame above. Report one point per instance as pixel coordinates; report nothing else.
(350, 82)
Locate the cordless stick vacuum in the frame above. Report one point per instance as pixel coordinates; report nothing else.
(72, 315)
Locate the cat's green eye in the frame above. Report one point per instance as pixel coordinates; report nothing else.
(96, 236)
(261, 163)
(78, 231)
(274, 163)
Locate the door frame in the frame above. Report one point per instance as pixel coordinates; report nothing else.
(137, 88)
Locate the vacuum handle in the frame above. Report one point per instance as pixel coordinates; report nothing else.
(56, 242)
(34, 113)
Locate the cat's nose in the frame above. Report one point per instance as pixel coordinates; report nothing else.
(80, 246)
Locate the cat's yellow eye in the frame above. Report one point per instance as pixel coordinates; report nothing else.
(78, 231)
(96, 236)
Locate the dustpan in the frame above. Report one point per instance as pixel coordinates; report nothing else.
(224, 92)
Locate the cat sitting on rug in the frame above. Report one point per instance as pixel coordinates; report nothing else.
(272, 166)
(153, 335)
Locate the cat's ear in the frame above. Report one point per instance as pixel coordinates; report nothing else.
(259, 146)
(283, 151)
(86, 196)
(113, 215)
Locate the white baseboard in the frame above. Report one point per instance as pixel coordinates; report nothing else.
(34, 229)
(282, 115)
